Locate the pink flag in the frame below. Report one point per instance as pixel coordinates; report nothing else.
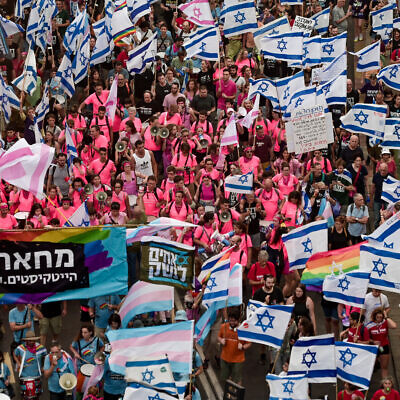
(248, 120)
(111, 103)
(198, 11)
(95, 378)
(230, 135)
(25, 166)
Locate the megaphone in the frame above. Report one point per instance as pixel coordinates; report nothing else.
(154, 131)
(99, 358)
(120, 147)
(88, 189)
(68, 382)
(101, 196)
(225, 217)
(203, 142)
(163, 132)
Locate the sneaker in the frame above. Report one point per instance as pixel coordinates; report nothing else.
(361, 37)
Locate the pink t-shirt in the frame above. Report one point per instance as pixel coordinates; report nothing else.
(180, 160)
(228, 88)
(251, 165)
(64, 215)
(105, 175)
(9, 222)
(286, 184)
(76, 198)
(101, 141)
(52, 209)
(150, 200)
(204, 233)
(104, 124)
(270, 202)
(290, 210)
(238, 257)
(137, 122)
(179, 213)
(246, 243)
(75, 135)
(150, 141)
(322, 163)
(97, 101)
(109, 219)
(226, 227)
(36, 223)
(78, 174)
(177, 142)
(165, 119)
(206, 125)
(120, 198)
(79, 121)
(25, 204)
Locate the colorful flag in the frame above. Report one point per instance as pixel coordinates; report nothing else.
(174, 340)
(293, 387)
(349, 289)
(301, 243)
(203, 43)
(141, 55)
(330, 262)
(314, 356)
(369, 58)
(145, 393)
(368, 119)
(355, 363)
(137, 9)
(322, 20)
(121, 25)
(285, 46)
(26, 82)
(212, 264)
(239, 183)
(287, 87)
(206, 321)
(144, 297)
(198, 11)
(80, 217)
(65, 77)
(390, 190)
(275, 27)
(239, 16)
(250, 117)
(267, 325)
(391, 136)
(325, 211)
(390, 76)
(333, 47)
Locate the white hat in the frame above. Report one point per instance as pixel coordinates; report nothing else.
(385, 151)
(230, 109)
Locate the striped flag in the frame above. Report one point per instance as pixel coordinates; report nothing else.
(145, 393)
(72, 153)
(349, 289)
(391, 136)
(80, 64)
(76, 32)
(20, 7)
(322, 21)
(206, 321)
(369, 58)
(230, 135)
(239, 183)
(301, 243)
(287, 87)
(311, 51)
(285, 46)
(137, 9)
(335, 68)
(198, 11)
(335, 90)
(65, 77)
(386, 233)
(239, 17)
(264, 87)
(390, 190)
(212, 264)
(121, 25)
(355, 363)
(43, 107)
(9, 27)
(8, 100)
(325, 211)
(80, 217)
(382, 21)
(203, 43)
(390, 76)
(293, 387)
(314, 356)
(267, 325)
(144, 297)
(275, 27)
(333, 47)
(26, 82)
(154, 371)
(141, 55)
(174, 340)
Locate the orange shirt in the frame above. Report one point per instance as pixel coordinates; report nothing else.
(230, 352)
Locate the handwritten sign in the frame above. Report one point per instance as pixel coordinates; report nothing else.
(302, 24)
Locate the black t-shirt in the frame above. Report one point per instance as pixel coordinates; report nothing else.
(348, 155)
(370, 92)
(359, 184)
(377, 180)
(123, 93)
(161, 92)
(50, 310)
(203, 103)
(337, 240)
(146, 110)
(206, 79)
(394, 112)
(275, 297)
(254, 218)
(353, 97)
(6, 68)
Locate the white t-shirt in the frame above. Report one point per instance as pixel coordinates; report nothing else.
(372, 302)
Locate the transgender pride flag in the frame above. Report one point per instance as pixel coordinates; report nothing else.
(146, 297)
(174, 340)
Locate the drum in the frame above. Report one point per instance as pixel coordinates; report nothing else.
(85, 372)
(31, 387)
(21, 215)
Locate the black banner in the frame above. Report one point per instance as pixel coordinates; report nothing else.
(42, 267)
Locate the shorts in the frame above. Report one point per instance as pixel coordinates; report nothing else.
(385, 350)
(330, 309)
(55, 323)
(232, 370)
(255, 239)
(99, 332)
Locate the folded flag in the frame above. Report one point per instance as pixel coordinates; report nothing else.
(141, 55)
(391, 136)
(293, 387)
(155, 372)
(390, 76)
(322, 20)
(314, 356)
(239, 17)
(206, 321)
(20, 7)
(80, 217)
(144, 297)
(239, 183)
(203, 43)
(145, 393)
(333, 47)
(368, 119)
(390, 190)
(174, 340)
(198, 11)
(287, 87)
(26, 82)
(349, 289)
(264, 87)
(275, 27)
(396, 23)
(285, 46)
(369, 58)
(355, 363)
(311, 51)
(383, 264)
(267, 325)
(301, 243)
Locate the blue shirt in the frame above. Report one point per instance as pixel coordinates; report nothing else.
(102, 313)
(18, 317)
(4, 374)
(64, 366)
(31, 362)
(113, 383)
(87, 350)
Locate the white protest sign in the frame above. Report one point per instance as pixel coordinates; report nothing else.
(316, 75)
(302, 24)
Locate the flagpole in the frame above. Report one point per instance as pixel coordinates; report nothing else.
(51, 201)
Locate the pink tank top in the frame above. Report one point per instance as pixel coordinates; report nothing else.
(207, 193)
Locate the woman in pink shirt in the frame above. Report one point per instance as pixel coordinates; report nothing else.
(51, 202)
(279, 137)
(76, 192)
(170, 117)
(318, 158)
(285, 181)
(295, 166)
(115, 216)
(246, 244)
(207, 192)
(243, 60)
(130, 132)
(208, 170)
(184, 138)
(292, 210)
(13, 199)
(271, 199)
(26, 201)
(79, 170)
(120, 197)
(128, 177)
(36, 216)
(185, 164)
(250, 163)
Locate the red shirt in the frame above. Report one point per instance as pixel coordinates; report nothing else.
(362, 332)
(257, 272)
(382, 395)
(343, 395)
(379, 332)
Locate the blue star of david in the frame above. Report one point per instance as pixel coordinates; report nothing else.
(68, 72)
(305, 51)
(286, 93)
(393, 71)
(181, 260)
(381, 16)
(156, 397)
(299, 102)
(148, 376)
(84, 223)
(397, 131)
(309, 358)
(327, 48)
(359, 115)
(343, 284)
(388, 245)
(379, 267)
(307, 246)
(211, 284)
(347, 360)
(288, 387)
(327, 88)
(83, 59)
(281, 45)
(274, 32)
(260, 323)
(263, 87)
(4, 99)
(387, 33)
(397, 191)
(243, 179)
(240, 17)
(203, 46)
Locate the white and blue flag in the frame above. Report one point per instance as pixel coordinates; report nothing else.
(301, 243)
(355, 363)
(293, 387)
(311, 51)
(217, 284)
(264, 87)
(203, 43)
(141, 55)
(70, 147)
(382, 21)
(349, 289)
(65, 76)
(333, 69)
(314, 356)
(26, 82)
(390, 190)
(8, 100)
(267, 325)
(396, 23)
(368, 119)
(239, 17)
(322, 21)
(391, 137)
(303, 98)
(386, 235)
(76, 32)
(335, 91)
(285, 46)
(287, 87)
(383, 264)
(369, 58)
(80, 217)
(239, 183)
(80, 64)
(390, 76)
(333, 47)
(275, 27)
(43, 107)
(252, 307)
(20, 7)
(145, 393)
(9, 27)
(137, 9)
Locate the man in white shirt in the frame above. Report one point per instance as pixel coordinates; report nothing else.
(373, 300)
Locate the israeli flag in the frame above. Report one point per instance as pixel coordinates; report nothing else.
(293, 387)
(8, 100)
(391, 137)
(285, 47)
(355, 363)
(301, 243)
(382, 21)
(275, 27)
(390, 76)
(252, 307)
(390, 190)
(239, 17)
(141, 55)
(137, 9)
(10, 28)
(80, 64)
(76, 32)
(335, 91)
(204, 44)
(349, 289)
(43, 107)
(386, 235)
(333, 47)
(217, 284)
(65, 77)
(333, 69)
(305, 97)
(267, 325)
(291, 2)
(239, 183)
(72, 153)
(138, 392)
(80, 217)
(369, 58)
(322, 21)
(26, 82)
(20, 7)
(287, 87)
(312, 51)
(314, 356)
(383, 264)
(264, 87)
(368, 119)
(103, 49)
(396, 23)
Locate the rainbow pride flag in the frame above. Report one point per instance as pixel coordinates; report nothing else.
(325, 263)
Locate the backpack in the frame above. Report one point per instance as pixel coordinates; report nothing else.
(352, 208)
